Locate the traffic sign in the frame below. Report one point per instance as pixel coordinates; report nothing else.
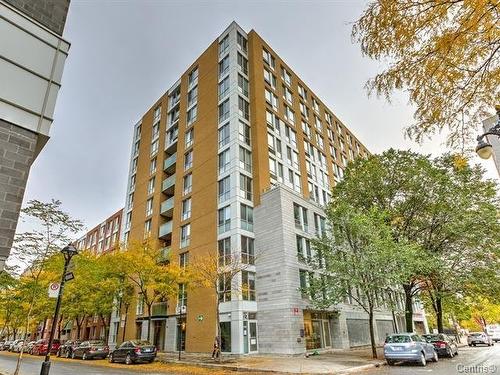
(54, 290)
(69, 276)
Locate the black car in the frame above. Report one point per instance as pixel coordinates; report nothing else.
(90, 350)
(66, 349)
(133, 351)
(444, 345)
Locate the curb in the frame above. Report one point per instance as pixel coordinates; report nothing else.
(363, 367)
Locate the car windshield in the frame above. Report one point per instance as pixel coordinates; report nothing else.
(433, 338)
(96, 342)
(141, 343)
(397, 339)
(476, 334)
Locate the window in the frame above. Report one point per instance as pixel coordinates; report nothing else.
(185, 235)
(223, 87)
(224, 219)
(315, 105)
(243, 108)
(155, 130)
(272, 120)
(306, 129)
(244, 131)
(192, 96)
(187, 183)
(189, 138)
(184, 259)
(270, 78)
(151, 185)
(186, 209)
(303, 248)
(134, 165)
(224, 66)
(287, 94)
(243, 85)
(224, 189)
(225, 287)
(188, 160)
(246, 217)
(225, 252)
(291, 136)
(272, 167)
(242, 63)
(245, 187)
(147, 228)
(191, 115)
(303, 282)
(328, 118)
(247, 250)
(268, 58)
(304, 110)
(300, 216)
(302, 92)
(154, 147)
(320, 142)
(297, 185)
(271, 99)
(224, 45)
(287, 77)
(136, 147)
(289, 115)
(242, 42)
(193, 77)
(149, 206)
(245, 159)
(182, 296)
(271, 143)
(223, 135)
(224, 111)
(319, 225)
(140, 304)
(138, 131)
(317, 123)
(248, 285)
(152, 166)
(224, 161)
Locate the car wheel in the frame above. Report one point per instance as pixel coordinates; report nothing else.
(449, 353)
(73, 356)
(67, 354)
(422, 360)
(390, 362)
(128, 360)
(435, 357)
(110, 358)
(84, 356)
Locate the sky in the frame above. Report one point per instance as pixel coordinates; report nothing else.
(125, 54)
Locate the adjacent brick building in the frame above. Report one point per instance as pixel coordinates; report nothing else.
(32, 56)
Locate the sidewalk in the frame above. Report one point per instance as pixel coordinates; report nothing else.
(334, 362)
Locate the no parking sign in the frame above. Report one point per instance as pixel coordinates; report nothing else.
(54, 290)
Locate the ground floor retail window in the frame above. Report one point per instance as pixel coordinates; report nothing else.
(225, 336)
(317, 331)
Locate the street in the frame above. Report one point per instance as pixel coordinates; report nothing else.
(474, 360)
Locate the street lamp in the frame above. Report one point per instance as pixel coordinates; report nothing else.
(68, 252)
(484, 148)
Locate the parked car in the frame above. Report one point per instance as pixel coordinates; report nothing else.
(445, 346)
(133, 351)
(476, 338)
(41, 347)
(29, 346)
(13, 344)
(6, 345)
(16, 347)
(90, 350)
(66, 349)
(408, 347)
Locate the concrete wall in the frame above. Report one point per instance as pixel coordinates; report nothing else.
(17, 150)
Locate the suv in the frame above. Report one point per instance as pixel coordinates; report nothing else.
(476, 338)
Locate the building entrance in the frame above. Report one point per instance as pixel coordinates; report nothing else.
(317, 330)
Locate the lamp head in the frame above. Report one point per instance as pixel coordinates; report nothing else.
(69, 251)
(484, 149)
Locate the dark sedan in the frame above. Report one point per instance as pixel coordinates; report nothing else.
(90, 350)
(66, 349)
(133, 351)
(444, 345)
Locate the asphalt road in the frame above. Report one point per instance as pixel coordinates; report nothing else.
(475, 360)
(31, 366)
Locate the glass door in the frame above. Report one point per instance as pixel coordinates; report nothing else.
(253, 336)
(326, 333)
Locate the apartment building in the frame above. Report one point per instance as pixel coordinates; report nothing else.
(104, 236)
(32, 57)
(239, 157)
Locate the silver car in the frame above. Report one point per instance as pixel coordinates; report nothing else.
(408, 347)
(476, 338)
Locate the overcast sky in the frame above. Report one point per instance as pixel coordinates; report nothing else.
(125, 54)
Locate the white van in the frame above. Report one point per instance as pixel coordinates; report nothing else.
(493, 330)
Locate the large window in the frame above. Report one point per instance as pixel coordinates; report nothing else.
(243, 85)
(188, 160)
(151, 185)
(224, 66)
(243, 63)
(223, 135)
(223, 87)
(245, 159)
(186, 209)
(193, 77)
(224, 111)
(224, 45)
(268, 58)
(225, 287)
(225, 252)
(182, 296)
(270, 78)
(189, 138)
(224, 219)
(192, 96)
(248, 285)
(185, 235)
(246, 217)
(243, 108)
(224, 189)
(247, 250)
(300, 216)
(187, 183)
(242, 42)
(244, 131)
(271, 99)
(191, 115)
(149, 207)
(303, 248)
(245, 187)
(224, 161)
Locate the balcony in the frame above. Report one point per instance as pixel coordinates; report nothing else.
(165, 229)
(159, 309)
(171, 142)
(167, 207)
(169, 163)
(168, 185)
(165, 253)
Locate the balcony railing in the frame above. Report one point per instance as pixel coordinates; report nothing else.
(169, 163)
(167, 207)
(159, 309)
(165, 229)
(168, 184)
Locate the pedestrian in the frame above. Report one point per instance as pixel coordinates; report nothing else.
(216, 351)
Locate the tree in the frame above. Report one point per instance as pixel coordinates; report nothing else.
(444, 53)
(215, 271)
(358, 258)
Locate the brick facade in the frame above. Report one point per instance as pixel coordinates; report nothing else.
(50, 13)
(17, 152)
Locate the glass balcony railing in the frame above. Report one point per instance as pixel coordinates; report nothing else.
(167, 206)
(165, 229)
(169, 163)
(168, 184)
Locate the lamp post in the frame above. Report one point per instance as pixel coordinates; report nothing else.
(484, 148)
(68, 252)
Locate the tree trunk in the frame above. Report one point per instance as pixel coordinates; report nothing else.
(20, 357)
(372, 333)
(43, 328)
(408, 307)
(59, 327)
(439, 314)
(218, 329)
(79, 324)
(149, 322)
(125, 322)
(105, 326)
